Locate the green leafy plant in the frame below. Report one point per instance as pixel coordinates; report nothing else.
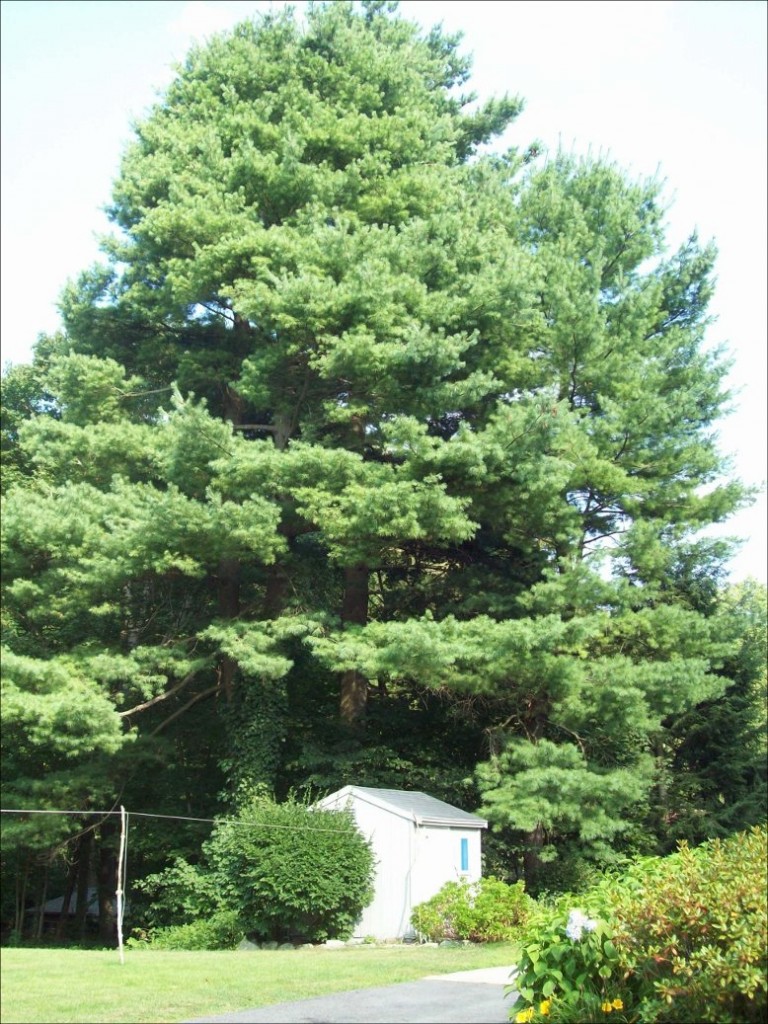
(183, 892)
(223, 930)
(568, 965)
(680, 938)
(295, 873)
(487, 910)
(693, 931)
(282, 872)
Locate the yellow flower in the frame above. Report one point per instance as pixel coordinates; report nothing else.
(607, 1007)
(544, 1007)
(525, 1015)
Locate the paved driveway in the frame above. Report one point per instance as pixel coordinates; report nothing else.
(468, 997)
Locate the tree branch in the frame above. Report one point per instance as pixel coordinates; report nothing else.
(194, 700)
(160, 697)
(255, 426)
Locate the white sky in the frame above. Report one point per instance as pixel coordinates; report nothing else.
(676, 87)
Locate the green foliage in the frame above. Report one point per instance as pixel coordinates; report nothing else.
(568, 964)
(289, 872)
(292, 871)
(60, 730)
(718, 759)
(256, 726)
(89, 389)
(222, 930)
(693, 930)
(181, 893)
(54, 712)
(363, 423)
(487, 910)
(553, 784)
(681, 938)
(22, 398)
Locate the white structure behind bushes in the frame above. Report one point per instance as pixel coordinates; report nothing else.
(419, 843)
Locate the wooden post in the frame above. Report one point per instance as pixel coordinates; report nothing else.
(120, 884)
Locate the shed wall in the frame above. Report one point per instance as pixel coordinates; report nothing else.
(438, 859)
(391, 836)
(413, 862)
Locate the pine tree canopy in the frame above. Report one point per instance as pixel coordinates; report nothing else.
(373, 452)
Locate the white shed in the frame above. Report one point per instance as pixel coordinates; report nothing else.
(419, 844)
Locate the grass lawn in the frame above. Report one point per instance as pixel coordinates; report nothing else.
(54, 986)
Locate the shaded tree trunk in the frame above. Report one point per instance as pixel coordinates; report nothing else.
(536, 720)
(69, 891)
(233, 405)
(43, 896)
(85, 848)
(534, 841)
(21, 897)
(354, 611)
(107, 883)
(275, 591)
(229, 608)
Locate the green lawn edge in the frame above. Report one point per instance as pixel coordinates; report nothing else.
(64, 986)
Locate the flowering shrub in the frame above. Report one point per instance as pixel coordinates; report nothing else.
(488, 910)
(675, 939)
(568, 965)
(565, 1011)
(693, 931)
(578, 923)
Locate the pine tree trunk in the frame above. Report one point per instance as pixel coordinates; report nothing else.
(354, 685)
(274, 594)
(534, 841)
(277, 577)
(21, 899)
(83, 878)
(43, 896)
(229, 568)
(229, 608)
(662, 809)
(69, 890)
(283, 430)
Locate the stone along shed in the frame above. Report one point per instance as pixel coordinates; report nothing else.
(419, 844)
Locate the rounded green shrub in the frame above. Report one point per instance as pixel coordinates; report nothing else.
(487, 910)
(292, 872)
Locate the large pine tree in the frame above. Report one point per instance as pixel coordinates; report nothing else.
(368, 456)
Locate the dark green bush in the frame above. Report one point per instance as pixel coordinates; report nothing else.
(277, 872)
(293, 873)
(180, 894)
(484, 911)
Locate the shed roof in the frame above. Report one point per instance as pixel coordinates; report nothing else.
(418, 807)
(56, 905)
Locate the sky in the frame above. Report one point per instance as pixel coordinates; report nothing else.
(670, 89)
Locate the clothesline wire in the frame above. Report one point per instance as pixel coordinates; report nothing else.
(172, 817)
